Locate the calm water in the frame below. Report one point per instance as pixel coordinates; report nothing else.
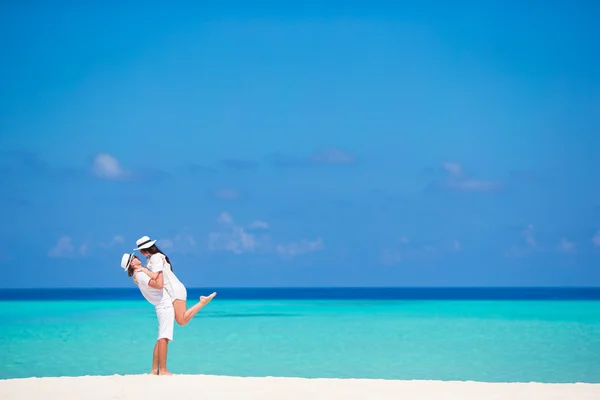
(556, 339)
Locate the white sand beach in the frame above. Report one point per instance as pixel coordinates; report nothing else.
(147, 387)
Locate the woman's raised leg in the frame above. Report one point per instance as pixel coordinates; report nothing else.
(183, 316)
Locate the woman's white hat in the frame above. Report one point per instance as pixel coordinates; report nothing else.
(144, 242)
(125, 260)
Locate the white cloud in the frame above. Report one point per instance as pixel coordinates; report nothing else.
(294, 249)
(106, 166)
(566, 246)
(166, 244)
(231, 237)
(234, 238)
(65, 248)
(116, 240)
(236, 241)
(225, 218)
(181, 243)
(530, 244)
(453, 168)
(596, 239)
(457, 179)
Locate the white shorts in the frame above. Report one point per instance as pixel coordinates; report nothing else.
(166, 320)
(178, 292)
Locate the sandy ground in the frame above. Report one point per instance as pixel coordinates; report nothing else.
(147, 387)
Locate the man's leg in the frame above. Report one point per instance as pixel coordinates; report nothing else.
(166, 320)
(163, 347)
(155, 360)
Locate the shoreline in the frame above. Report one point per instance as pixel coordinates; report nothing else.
(299, 378)
(146, 386)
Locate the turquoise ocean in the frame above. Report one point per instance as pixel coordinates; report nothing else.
(513, 335)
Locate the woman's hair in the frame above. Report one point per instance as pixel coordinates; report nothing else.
(154, 250)
(130, 270)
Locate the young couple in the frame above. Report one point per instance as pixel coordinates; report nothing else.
(161, 288)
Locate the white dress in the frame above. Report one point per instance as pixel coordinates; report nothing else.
(173, 286)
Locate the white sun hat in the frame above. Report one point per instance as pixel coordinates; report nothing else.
(125, 260)
(144, 242)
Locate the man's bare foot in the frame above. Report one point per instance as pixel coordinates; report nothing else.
(154, 372)
(165, 373)
(206, 299)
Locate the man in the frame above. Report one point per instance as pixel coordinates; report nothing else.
(153, 290)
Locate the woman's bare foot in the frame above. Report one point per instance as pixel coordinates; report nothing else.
(206, 299)
(154, 372)
(165, 373)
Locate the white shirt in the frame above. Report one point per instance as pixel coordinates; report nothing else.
(158, 263)
(159, 298)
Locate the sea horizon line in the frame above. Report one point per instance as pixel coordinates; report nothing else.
(321, 293)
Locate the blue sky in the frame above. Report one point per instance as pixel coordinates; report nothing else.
(322, 144)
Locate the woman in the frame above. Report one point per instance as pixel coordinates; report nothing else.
(159, 263)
